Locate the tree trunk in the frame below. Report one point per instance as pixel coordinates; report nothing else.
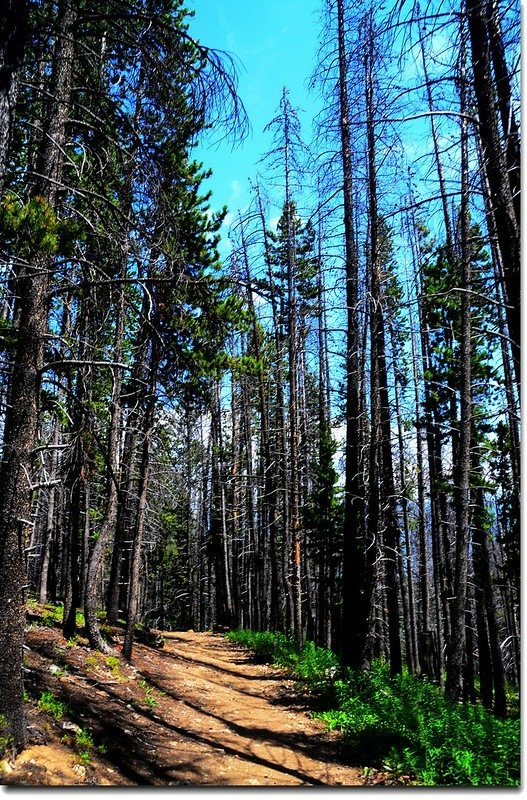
(97, 555)
(21, 417)
(135, 567)
(355, 605)
(456, 650)
(13, 27)
(495, 164)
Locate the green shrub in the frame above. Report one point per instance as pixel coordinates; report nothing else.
(149, 699)
(267, 646)
(49, 704)
(407, 725)
(314, 665)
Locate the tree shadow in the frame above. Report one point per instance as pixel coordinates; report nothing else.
(131, 743)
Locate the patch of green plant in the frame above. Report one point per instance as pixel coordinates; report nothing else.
(52, 615)
(406, 725)
(267, 647)
(114, 664)
(149, 698)
(83, 744)
(403, 724)
(315, 666)
(90, 662)
(49, 704)
(513, 701)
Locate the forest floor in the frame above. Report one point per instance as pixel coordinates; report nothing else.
(198, 712)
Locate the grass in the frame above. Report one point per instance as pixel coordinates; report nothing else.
(49, 704)
(84, 746)
(52, 614)
(82, 740)
(403, 724)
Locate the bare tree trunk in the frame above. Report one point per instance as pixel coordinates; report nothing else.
(486, 595)
(268, 500)
(382, 504)
(96, 558)
(218, 529)
(355, 605)
(282, 487)
(504, 206)
(134, 587)
(456, 650)
(49, 529)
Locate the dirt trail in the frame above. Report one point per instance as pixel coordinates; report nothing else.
(221, 720)
(230, 722)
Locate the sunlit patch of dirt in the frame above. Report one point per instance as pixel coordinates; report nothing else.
(198, 712)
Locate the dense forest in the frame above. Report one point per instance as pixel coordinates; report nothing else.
(316, 435)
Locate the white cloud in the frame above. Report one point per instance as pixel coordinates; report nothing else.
(236, 189)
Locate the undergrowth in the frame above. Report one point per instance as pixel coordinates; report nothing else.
(402, 724)
(49, 704)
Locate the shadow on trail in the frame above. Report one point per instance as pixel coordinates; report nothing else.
(315, 747)
(225, 669)
(121, 747)
(132, 734)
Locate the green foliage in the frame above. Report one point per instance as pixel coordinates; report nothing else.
(49, 704)
(403, 724)
(315, 666)
(149, 699)
(33, 227)
(268, 647)
(52, 615)
(84, 745)
(114, 664)
(407, 725)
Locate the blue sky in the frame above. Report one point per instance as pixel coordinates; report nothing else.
(275, 44)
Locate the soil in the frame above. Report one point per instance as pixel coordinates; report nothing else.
(198, 712)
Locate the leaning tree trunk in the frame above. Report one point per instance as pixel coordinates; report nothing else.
(144, 468)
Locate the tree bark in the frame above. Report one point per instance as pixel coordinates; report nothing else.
(13, 35)
(21, 419)
(503, 205)
(456, 650)
(355, 603)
